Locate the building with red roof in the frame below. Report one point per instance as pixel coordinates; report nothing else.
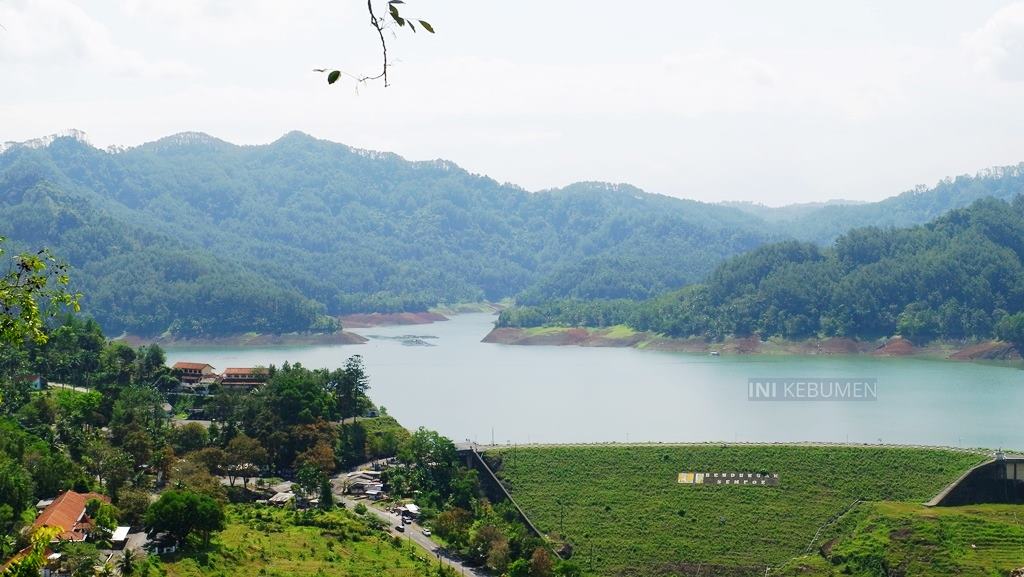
(67, 513)
(192, 373)
(244, 376)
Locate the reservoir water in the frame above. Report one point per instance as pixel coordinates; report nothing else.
(466, 389)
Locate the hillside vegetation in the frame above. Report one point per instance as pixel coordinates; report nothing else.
(196, 236)
(273, 542)
(878, 539)
(958, 277)
(624, 512)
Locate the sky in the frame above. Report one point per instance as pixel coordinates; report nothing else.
(773, 102)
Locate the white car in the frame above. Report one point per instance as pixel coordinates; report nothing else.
(426, 532)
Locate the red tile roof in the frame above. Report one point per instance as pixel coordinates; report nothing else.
(193, 366)
(67, 513)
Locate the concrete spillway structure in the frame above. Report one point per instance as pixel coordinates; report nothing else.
(998, 480)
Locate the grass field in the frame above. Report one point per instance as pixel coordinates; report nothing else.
(261, 541)
(909, 539)
(625, 513)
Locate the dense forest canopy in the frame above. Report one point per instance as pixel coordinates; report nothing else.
(960, 276)
(194, 236)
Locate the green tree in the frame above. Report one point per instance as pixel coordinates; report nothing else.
(127, 563)
(188, 438)
(32, 279)
(568, 569)
(519, 568)
(245, 458)
(132, 504)
(326, 495)
(1011, 329)
(309, 480)
(80, 559)
(104, 517)
(182, 513)
(32, 563)
(111, 465)
(16, 487)
(453, 526)
(349, 386)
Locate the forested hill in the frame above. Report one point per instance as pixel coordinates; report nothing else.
(193, 235)
(958, 277)
(824, 222)
(196, 236)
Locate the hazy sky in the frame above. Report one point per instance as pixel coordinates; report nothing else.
(777, 102)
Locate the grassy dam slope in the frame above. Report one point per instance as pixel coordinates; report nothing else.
(624, 512)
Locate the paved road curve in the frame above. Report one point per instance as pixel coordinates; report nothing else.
(413, 533)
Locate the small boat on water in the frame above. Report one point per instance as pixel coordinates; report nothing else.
(714, 353)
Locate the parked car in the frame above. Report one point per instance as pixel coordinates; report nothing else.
(400, 528)
(426, 532)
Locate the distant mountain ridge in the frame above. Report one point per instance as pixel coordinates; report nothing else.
(193, 235)
(919, 205)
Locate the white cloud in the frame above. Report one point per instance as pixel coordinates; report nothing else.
(235, 23)
(998, 46)
(60, 33)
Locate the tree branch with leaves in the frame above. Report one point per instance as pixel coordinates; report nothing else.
(34, 287)
(380, 24)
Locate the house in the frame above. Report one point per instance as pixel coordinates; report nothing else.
(202, 386)
(281, 499)
(35, 382)
(192, 373)
(362, 482)
(67, 513)
(409, 510)
(250, 377)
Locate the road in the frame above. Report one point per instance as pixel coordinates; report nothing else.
(413, 533)
(67, 387)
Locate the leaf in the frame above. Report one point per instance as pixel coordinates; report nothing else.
(426, 26)
(319, 70)
(395, 2)
(333, 76)
(394, 12)
(411, 26)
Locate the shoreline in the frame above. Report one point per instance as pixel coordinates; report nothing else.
(436, 314)
(249, 340)
(370, 320)
(625, 337)
(341, 337)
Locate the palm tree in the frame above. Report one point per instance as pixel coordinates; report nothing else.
(105, 570)
(127, 563)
